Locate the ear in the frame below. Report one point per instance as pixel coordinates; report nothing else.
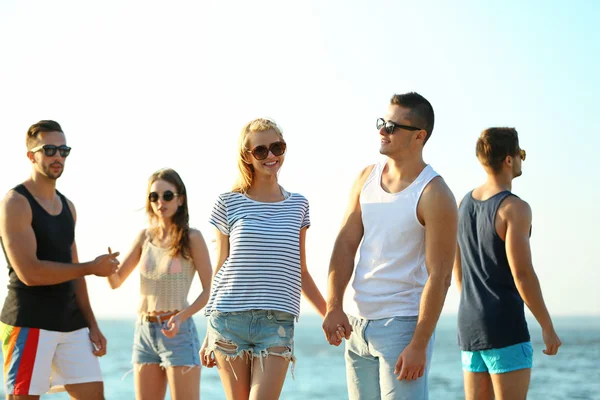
(31, 157)
(508, 160)
(421, 135)
(180, 200)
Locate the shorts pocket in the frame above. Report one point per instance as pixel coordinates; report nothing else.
(282, 317)
(527, 349)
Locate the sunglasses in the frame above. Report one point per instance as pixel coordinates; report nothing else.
(261, 152)
(391, 126)
(167, 196)
(523, 154)
(50, 150)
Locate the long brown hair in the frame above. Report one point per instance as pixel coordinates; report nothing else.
(179, 243)
(244, 180)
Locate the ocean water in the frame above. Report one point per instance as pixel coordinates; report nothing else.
(320, 372)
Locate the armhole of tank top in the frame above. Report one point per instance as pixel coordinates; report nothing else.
(428, 180)
(374, 174)
(22, 190)
(146, 239)
(495, 215)
(65, 204)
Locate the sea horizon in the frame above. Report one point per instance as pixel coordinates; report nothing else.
(320, 368)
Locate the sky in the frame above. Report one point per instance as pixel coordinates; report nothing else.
(139, 86)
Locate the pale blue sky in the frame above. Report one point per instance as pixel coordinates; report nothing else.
(142, 85)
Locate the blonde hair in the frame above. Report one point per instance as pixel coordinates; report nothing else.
(246, 175)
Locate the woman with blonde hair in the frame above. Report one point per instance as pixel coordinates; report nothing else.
(260, 272)
(169, 254)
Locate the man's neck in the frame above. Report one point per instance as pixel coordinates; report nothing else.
(41, 186)
(405, 169)
(501, 182)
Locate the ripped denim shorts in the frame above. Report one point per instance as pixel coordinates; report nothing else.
(252, 333)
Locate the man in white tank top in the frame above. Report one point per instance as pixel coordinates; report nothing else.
(406, 217)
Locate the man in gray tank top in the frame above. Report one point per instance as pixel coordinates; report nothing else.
(495, 277)
(403, 216)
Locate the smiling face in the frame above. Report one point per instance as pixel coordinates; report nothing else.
(401, 142)
(271, 165)
(51, 167)
(162, 207)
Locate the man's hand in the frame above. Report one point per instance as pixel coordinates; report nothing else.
(98, 340)
(552, 342)
(336, 326)
(411, 363)
(104, 265)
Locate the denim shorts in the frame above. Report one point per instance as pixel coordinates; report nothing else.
(151, 346)
(499, 361)
(252, 333)
(371, 355)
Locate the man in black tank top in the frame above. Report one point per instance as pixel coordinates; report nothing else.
(47, 328)
(495, 277)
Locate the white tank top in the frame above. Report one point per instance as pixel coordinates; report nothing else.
(390, 274)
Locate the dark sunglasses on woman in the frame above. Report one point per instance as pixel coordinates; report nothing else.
(50, 150)
(167, 196)
(261, 152)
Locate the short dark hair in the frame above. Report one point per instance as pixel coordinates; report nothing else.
(33, 133)
(495, 144)
(422, 112)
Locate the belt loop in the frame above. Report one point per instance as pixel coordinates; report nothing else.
(269, 314)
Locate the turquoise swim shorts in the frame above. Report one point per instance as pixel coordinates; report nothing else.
(498, 361)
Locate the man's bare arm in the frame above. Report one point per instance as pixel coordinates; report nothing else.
(18, 239)
(341, 265)
(517, 215)
(437, 211)
(441, 224)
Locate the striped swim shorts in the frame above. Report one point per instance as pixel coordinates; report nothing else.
(37, 361)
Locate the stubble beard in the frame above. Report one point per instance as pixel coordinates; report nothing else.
(46, 169)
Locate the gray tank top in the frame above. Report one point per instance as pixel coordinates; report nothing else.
(491, 313)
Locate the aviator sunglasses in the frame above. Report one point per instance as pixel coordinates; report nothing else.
(523, 154)
(50, 150)
(167, 196)
(261, 152)
(391, 126)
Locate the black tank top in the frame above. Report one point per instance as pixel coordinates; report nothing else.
(51, 307)
(491, 314)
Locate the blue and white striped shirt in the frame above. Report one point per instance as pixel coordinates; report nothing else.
(263, 268)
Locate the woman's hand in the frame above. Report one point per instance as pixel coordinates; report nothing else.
(207, 358)
(171, 328)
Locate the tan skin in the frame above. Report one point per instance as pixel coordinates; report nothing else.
(436, 211)
(259, 384)
(20, 246)
(151, 380)
(513, 225)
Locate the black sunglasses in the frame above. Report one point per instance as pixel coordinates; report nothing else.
(391, 126)
(167, 196)
(261, 152)
(50, 150)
